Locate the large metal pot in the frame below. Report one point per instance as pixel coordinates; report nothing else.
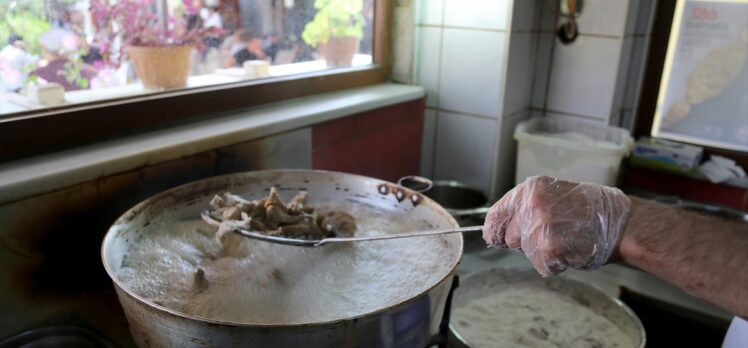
(410, 323)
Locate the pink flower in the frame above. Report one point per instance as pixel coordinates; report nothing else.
(137, 24)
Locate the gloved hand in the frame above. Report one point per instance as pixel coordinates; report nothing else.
(559, 224)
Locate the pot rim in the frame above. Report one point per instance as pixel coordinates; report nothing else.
(109, 237)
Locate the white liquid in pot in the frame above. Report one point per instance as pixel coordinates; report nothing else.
(531, 316)
(264, 283)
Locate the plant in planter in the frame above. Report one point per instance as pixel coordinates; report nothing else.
(337, 29)
(160, 47)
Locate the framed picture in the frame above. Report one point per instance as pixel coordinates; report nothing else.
(703, 96)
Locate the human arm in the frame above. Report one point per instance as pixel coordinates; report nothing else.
(704, 255)
(559, 224)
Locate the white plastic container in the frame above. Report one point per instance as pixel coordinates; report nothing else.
(570, 150)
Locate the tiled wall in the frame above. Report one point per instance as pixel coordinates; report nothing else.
(489, 64)
(459, 58)
(518, 94)
(596, 78)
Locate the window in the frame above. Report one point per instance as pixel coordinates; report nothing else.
(97, 113)
(58, 54)
(704, 95)
(662, 27)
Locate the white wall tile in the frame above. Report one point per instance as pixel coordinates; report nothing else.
(428, 139)
(465, 149)
(472, 71)
(430, 12)
(545, 42)
(519, 73)
(524, 13)
(583, 76)
(427, 62)
(507, 157)
(483, 14)
(603, 17)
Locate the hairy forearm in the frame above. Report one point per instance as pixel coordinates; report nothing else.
(706, 256)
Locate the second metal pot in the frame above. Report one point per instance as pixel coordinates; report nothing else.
(467, 204)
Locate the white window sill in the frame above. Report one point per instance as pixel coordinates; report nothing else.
(36, 175)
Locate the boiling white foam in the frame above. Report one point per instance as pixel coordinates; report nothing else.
(264, 283)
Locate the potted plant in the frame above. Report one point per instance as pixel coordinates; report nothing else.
(159, 47)
(337, 29)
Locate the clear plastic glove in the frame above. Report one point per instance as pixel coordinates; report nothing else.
(559, 224)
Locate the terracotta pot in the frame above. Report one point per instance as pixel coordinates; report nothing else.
(339, 51)
(162, 66)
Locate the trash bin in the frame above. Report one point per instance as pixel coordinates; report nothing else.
(570, 150)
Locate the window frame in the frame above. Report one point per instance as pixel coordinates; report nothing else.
(655, 64)
(42, 131)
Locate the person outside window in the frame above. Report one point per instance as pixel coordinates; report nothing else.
(15, 63)
(252, 51)
(57, 67)
(211, 19)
